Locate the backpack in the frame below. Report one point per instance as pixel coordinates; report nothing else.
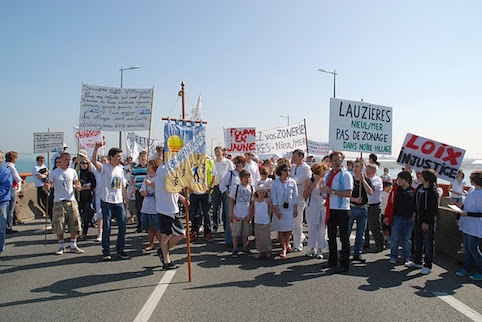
(236, 194)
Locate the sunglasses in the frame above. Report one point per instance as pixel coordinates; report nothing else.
(83, 163)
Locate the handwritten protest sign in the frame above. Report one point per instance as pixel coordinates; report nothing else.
(115, 109)
(136, 144)
(45, 142)
(360, 127)
(88, 139)
(317, 148)
(281, 140)
(240, 140)
(421, 153)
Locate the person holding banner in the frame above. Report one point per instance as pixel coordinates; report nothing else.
(5, 188)
(284, 192)
(300, 172)
(65, 209)
(339, 186)
(40, 174)
(113, 196)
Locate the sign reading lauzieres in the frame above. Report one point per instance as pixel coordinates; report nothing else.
(422, 153)
(115, 109)
(360, 127)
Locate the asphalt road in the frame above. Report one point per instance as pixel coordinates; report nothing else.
(37, 285)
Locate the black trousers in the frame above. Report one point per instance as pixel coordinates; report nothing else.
(41, 198)
(139, 200)
(339, 219)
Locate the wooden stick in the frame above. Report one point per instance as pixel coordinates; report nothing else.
(306, 139)
(150, 125)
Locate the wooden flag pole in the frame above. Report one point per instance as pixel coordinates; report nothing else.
(150, 126)
(186, 195)
(306, 139)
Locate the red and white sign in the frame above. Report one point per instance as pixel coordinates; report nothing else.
(240, 139)
(422, 153)
(88, 139)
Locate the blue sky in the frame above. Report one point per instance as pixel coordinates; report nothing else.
(252, 60)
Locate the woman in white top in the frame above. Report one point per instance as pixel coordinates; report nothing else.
(149, 218)
(470, 223)
(285, 201)
(11, 158)
(315, 210)
(456, 189)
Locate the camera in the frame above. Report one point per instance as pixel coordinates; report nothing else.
(285, 205)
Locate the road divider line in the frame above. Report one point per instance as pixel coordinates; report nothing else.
(146, 311)
(459, 306)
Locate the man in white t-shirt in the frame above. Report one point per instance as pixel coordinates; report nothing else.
(171, 228)
(113, 196)
(40, 174)
(300, 172)
(65, 209)
(338, 185)
(374, 223)
(252, 167)
(222, 166)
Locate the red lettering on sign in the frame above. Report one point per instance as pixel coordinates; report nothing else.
(411, 143)
(440, 151)
(428, 147)
(452, 156)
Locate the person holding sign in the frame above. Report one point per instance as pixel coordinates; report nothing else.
(339, 186)
(65, 209)
(113, 196)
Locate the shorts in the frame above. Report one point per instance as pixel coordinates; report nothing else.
(65, 212)
(132, 207)
(150, 220)
(170, 226)
(240, 228)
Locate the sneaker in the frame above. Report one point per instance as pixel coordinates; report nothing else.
(311, 253)
(123, 255)
(76, 250)
(392, 261)
(358, 258)
(106, 258)
(98, 239)
(319, 255)
(476, 277)
(235, 253)
(411, 264)
(209, 237)
(462, 272)
(425, 270)
(170, 265)
(247, 252)
(60, 251)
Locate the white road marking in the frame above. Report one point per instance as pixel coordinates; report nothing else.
(459, 306)
(155, 297)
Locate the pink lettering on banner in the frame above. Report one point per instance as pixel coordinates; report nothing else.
(87, 134)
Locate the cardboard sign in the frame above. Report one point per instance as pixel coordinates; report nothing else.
(318, 148)
(360, 127)
(115, 109)
(240, 139)
(185, 157)
(45, 142)
(281, 140)
(88, 139)
(136, 144)
(421, 153)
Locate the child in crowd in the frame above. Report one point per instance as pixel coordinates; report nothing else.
(264, 178)
(426, 207)
(400, 215)
(387, 188)
(149, 217)
(240, 197)
(260, 210)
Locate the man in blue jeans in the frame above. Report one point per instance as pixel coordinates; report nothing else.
(5, 187)
(113, 196)
(362, 187)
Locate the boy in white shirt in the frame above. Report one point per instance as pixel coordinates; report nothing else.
(240, 197)
(113, 196)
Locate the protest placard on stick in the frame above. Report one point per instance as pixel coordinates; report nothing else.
(240, 139)
(45, 142)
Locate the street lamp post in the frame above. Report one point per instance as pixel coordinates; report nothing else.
(334, 77)
(286, 117)
(122, 69)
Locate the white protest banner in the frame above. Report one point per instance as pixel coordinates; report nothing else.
(360, 127)
(281, 140)
(115, 109)
(88, 139)
(136, 144)
(421, 153)
(317, 148)
(240, 139)
(45, 142)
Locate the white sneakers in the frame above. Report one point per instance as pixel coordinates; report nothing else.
(411, 264)
(75, 249)
(311, 253)
(60, 251)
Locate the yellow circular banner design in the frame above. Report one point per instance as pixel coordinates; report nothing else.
(175, 143)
